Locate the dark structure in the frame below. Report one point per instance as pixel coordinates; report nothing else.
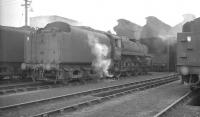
(188, 53)
(12, 50)
(172, 61)
(154, 34)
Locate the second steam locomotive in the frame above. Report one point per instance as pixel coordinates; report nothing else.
(188, 63)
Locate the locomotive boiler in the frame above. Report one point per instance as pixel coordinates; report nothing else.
(64, 52)
(188, 54)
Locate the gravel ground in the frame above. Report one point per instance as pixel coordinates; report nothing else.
(40, 108)
(7, 82)
(142, 104)
(15, 83)
(41, 94)
(186, 109)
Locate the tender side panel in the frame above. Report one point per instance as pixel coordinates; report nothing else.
(188, 51)
(28, 49)
(182, 48)
(11, 46)
(75, 47)
(47, 50)
(1, 47)
(195, 54)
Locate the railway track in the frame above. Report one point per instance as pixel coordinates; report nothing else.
(3, 82)
(90, 97)
(22, 87)
(172, 106)
(19, 87)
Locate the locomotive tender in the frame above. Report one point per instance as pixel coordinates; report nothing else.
(12, 50)
(188, 53)
(64, 52)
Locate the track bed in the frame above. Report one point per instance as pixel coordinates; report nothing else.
(190, 107)
(68, 103)
(142, 104)
(48, 93)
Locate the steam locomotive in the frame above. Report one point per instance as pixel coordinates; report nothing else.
(60, 51)
(188, 54)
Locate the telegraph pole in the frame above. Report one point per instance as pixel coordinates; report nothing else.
(26, 5)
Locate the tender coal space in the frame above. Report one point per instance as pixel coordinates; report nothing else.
(195, 101)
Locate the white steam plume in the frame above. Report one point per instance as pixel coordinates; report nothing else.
(101, 51)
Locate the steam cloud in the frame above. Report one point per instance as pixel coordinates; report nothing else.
(101, 51)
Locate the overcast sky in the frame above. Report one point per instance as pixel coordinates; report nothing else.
(100, 14)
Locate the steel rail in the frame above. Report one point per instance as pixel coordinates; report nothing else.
(88, 92)
(173, 105)
(103, 98)
(10, 86)
(10, 89)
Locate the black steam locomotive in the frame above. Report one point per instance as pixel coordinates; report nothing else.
(60, 51)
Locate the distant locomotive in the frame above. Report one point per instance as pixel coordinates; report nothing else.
(188, 53)
(63, 52)
(12, 50)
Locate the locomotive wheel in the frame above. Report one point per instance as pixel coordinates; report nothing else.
(33, 77)
(128, 73)
(192, 88)
(185, 78)
(181, 79)
(194, 78)
(134, 73)
(117, 75)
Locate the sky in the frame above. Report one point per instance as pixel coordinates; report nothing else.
(100, 14)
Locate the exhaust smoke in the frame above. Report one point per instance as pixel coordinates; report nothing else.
(101, 51)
